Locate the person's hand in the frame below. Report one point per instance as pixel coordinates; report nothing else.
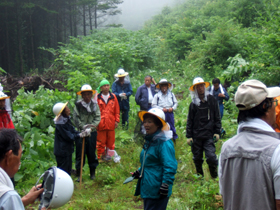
(88, 132)
(124, 94)
(83, 134)
(88, 126)
(136, 174)
(216, 137)
(170, 110)
(116, 124)
(33, 194)
(163, 191)
(190, 141)
(164, 110)
(221, 95)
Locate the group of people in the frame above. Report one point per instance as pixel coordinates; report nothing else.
(249, 165)
(96, 116)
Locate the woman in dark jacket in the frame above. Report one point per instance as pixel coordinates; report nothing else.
(65, 135)
(158, 164)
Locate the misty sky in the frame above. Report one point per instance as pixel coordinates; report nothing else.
(136, 12)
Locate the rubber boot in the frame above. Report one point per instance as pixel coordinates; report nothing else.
(92, 173)
(199, 169)
(213, 171)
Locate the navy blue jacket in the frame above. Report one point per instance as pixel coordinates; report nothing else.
(142, 96)
(126, 88)
(220, 99)
(65, 135)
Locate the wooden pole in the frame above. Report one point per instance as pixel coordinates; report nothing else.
(82, 161)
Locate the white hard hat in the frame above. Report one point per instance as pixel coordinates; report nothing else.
(86, 88)
(158, 113)
(58, 108)
(58, 188)
(121, 73)
(197, 81)
(3, 96)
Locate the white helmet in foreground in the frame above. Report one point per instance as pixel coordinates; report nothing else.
(58, 188)
(158, 113)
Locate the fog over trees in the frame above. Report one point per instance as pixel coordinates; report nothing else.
(136, 12)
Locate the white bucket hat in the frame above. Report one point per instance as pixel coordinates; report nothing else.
(121, 73)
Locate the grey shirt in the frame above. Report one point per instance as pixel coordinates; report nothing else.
(246, 177)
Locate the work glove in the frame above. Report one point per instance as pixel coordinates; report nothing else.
(136, 174)
(83, 134)
(216, 138)
(190, 141)
(163, 191)
(88, 126)
(88, 132)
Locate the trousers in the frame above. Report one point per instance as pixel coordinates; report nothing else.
(89, 151)
(155, 204)
(64, 163)
(105, 139)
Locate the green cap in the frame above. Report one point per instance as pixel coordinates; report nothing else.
(103, 82)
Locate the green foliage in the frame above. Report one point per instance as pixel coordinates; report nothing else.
(90, 59)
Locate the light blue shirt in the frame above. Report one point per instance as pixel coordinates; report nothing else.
(11, 201)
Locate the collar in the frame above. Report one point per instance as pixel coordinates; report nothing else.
(5, 182)
(255, 123)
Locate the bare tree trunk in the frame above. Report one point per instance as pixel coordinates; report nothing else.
(19, 38)
(84, 19)
(70, 12)
(7, 39)
(32, 42)
(90, 18)
(95, 15)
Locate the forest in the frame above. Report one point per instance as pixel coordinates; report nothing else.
(232, 40)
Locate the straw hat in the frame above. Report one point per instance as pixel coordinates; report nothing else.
(121, 73)
(58, 108)
(158, 113)
(3, 96)
(197, 81)
(163, 82)
(86, 88)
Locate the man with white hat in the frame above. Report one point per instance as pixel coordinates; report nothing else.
(249, 164)
(5, 119)
(167, 102)
(87, 115)
(122, 89)
(203, 126)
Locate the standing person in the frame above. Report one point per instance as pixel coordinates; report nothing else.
(87, 115)
(145, 94)
(167, 102)
(220, 93)
(5, 119)
(65, 135)
(122, 89)
(10, 155)
(158, 163)
(110, 117)
(249, 164)
(203, 126)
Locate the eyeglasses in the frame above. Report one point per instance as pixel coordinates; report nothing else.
(276, 102)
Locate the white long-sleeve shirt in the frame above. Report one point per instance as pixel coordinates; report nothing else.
(167, 100)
